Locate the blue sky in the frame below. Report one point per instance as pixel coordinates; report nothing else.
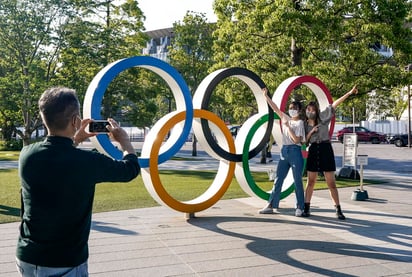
(163, 13)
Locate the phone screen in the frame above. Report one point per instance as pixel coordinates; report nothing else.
(98, 126)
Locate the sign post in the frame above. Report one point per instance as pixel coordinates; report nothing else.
(362, 160)
(361, 194)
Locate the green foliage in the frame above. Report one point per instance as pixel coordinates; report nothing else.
(61, 43)
(29, 46)
(331, 40)
(47, 43)
(103, 33)
(137, 96)
(191, 49)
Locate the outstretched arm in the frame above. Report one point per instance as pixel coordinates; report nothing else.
(271, 103)
(338, 101)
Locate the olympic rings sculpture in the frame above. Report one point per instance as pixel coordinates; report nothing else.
(215, 138)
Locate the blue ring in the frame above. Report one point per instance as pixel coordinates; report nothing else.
(112, 71)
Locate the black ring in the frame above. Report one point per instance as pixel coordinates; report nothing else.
(233, 72)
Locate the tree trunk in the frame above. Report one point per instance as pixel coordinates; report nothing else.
(296, 53)
(26, 138)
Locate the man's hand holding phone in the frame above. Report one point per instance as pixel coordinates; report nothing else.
(120, 135)
(81, 134)
(110, 127)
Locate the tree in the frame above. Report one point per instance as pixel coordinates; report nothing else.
(29, 46)
(331, 40)
(46, 43)
(103, 32)
(8, 115)
(393, 105)
(191, 50)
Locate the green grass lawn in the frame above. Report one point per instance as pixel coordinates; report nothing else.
(182, 185)
(9, 155)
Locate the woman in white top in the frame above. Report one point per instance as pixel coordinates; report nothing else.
(290, 157)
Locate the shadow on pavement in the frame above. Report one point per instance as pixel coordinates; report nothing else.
(279, 249)
(108, 228)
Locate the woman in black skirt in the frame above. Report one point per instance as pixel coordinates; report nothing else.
(321, 157)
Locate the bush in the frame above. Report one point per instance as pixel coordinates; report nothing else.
(11, 145)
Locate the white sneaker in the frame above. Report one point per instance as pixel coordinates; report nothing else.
(266, 210)
(298, 212)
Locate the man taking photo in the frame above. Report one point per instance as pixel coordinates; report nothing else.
(58, 185)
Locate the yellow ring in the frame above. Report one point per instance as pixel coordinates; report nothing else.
(216, 190)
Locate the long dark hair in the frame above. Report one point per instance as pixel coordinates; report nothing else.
(316, 107)
(298, 105)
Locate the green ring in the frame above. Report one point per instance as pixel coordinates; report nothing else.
(245, 162)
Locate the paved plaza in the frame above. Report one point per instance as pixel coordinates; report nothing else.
(232, 239)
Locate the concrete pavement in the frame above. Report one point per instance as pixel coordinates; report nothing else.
(232, 239)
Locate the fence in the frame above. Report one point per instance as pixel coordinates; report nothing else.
(388, 127)
(392, 127)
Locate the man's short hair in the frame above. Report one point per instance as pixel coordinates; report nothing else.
(57, 106)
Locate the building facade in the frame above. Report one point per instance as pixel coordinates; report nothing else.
(158, 45)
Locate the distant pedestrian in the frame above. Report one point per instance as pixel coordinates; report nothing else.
(290, 156)
(321, 158)
(269, 147)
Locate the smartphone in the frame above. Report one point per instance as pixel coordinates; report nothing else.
(98, 126)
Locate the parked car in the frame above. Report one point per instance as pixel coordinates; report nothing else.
(399, 140)
(364, 135)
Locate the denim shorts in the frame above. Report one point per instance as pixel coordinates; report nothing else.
(31, 270)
